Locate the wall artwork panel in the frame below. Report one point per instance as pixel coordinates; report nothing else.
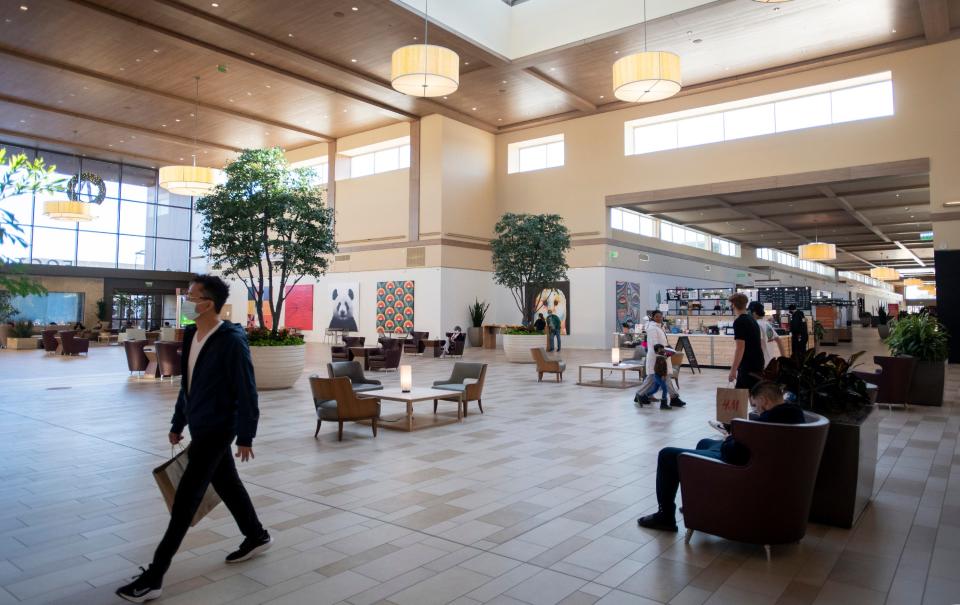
(344, 300)
(554, 297)
(630, 306)
(298, 307)
(395, 307)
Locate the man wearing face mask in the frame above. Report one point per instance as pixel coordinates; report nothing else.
(218, 400)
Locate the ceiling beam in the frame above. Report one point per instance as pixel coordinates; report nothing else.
(127, 86)
(828, 192)
(157, 134)
(358, 77)
(935, 15)
(575, 99)
(279, 71)
(100, 151)
(916, 258)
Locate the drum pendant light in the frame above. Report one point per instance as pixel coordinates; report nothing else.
(646, 76)
(425, 70)
(913, 281)
(190, 180)
(817, 251)
(73, 209)
(884, 273)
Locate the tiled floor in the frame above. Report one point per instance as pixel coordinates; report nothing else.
(533, 502)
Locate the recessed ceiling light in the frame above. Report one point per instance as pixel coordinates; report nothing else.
(23, 121)
(122, 141)
(499, 119)
(473, 108)
(466, 62)
(181, 159)
(616, 52)
(156, 50)
(893, 31)
(289, 35)
(253, 54)
(231, 100)
(109, 144)
(503, 81)
(444, 98)
(24, 7)
(416, 38)
(138, 60)
(249, 94)
(123, 69)
(553, 69)
(267, 85)
(344, 111)
(353, 60)
(176, 119)
(601, 96)
(214, 5)
(354, 8)
(163, 126)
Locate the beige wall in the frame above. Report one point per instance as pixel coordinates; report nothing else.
(926, 124)
(373, 207)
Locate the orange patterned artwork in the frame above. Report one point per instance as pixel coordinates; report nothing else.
(395, 307)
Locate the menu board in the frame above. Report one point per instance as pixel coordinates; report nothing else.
(781, 298)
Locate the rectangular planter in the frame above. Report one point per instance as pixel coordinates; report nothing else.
(21, 344)
(927, 385)
(847, 470)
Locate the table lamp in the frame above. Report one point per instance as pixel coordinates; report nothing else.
(406, 378)
(615, 356)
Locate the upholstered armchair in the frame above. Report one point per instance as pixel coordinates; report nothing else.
(49, 341)
(342, 352)
(892, 379)
(456, 347)
(413, 342)
(466, 378)
(73, 345)
(136, 359)
(545, 365)
(335, 400)
(168, 358)
(768, 500)
(388, 357)
(354, 371)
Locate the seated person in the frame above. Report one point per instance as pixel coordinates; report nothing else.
(541, 324)
(448, 345)
(648, 386)
(78, 327)
(767, 398)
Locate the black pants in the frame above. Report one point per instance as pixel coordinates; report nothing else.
(668, 471)
(746, 378)
(210, 462)
(798, 346)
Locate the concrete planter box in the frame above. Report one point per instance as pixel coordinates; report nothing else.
(517, 347)
(22, 344)
(277, 367)
(927, 385)
(847, 470)
(475, 337)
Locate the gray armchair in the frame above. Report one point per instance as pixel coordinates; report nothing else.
(354, 371)
(334, 400)
(467, 378)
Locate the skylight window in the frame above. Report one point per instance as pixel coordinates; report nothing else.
(535, 154)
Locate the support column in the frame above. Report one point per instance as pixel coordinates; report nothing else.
(332, 174)
(413, 227)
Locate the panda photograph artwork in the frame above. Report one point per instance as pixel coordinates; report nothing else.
(344, 298)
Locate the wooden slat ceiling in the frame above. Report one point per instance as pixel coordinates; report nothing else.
(294, 73)
(898, 207)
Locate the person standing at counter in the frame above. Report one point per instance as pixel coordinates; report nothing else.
(748, 355)
(798, 331)
(768, 334)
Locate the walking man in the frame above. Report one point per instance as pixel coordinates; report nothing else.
(553, 324)
(218, 400)
(748, 354)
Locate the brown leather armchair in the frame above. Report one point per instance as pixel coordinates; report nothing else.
(466, 378)
(136, 359)
(768, 500)
(73, 345)
(342, 352)
(388, 357)
(413, 343)
(546, 365)
(168, 358)
(335, 400)
(892, 379)
(49, 341)
(456, 347)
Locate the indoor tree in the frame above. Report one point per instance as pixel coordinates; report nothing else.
(529, 250)
(267, 225)
(19, 175)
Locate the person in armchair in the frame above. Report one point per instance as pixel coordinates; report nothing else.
(767, 398)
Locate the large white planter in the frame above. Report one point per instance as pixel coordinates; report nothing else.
(517, 347)
(277, 367)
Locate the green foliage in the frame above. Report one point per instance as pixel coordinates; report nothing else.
(522, 331)
(919, 336)
(478, 311)
(18, 175)
(101, 310)
(264, 337)
(823, 383)
(882, 317)
(22, 329)
(529, 250)
(817, 331)
(7, 310)
(267, 226)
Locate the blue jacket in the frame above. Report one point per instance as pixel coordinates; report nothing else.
(223, 392)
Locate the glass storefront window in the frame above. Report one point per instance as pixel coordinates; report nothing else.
(96, 250)
(106, 217)
(173, 222)
(135, 218)
(51, 308)
(139, 184)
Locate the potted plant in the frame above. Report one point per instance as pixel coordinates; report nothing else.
(529, 251)
(824, 384)
(923, 337)
(865, 318)
(883, 320)
(21, 336)
(478, 312)
(268, 227)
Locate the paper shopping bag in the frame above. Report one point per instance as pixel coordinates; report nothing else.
(168, 477)
(732, 403)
